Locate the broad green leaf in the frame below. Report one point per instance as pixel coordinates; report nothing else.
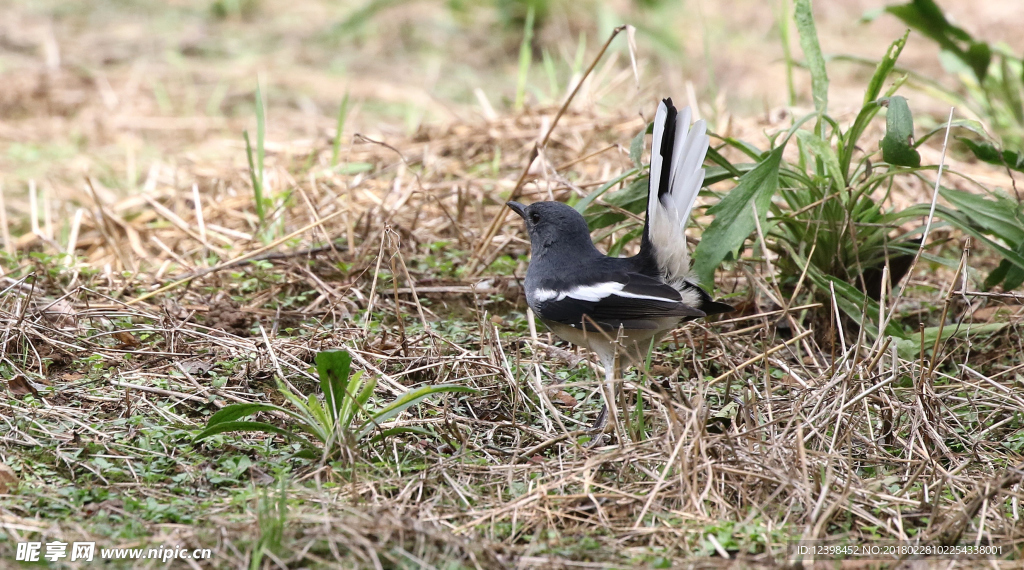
(1014, 275)
(1001, 217)
(1012, 88)
(957, 219)
(1009, 275)
(926, 17)
(248, 426)
(405, 401)
(812, 51)
(989, 153)
(308, 454)
(979, 56)
(910, 347)
(734, 218)
(870, 108)
(898, 144)
(235, 411)
(333, 367)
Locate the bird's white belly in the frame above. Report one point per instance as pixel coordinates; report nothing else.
(632, 344)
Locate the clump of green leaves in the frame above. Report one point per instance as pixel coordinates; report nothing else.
(991, 77)
(825, 212)
(344, 417)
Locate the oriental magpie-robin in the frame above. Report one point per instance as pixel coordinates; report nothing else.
(618, 306)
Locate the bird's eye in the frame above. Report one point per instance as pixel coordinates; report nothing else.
(535, 217)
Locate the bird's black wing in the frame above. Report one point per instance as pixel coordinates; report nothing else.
(630, 300)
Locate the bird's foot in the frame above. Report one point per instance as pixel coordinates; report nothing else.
(601, 422)
(598, 431)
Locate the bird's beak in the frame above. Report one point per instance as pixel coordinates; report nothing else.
(517, 208)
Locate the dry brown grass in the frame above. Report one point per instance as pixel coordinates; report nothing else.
(817, 443)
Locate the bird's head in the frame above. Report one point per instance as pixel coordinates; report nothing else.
(552, 223)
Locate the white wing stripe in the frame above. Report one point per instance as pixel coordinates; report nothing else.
(594, 293)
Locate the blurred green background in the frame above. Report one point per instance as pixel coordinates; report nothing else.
(108, 86)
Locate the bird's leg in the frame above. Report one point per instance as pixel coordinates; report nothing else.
(620, 390)
(611, 388)
(602, 417)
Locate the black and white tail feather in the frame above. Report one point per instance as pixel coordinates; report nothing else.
(677, 174)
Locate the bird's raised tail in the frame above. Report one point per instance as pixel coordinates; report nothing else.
(677, 174)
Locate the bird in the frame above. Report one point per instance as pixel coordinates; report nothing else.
(618, 306)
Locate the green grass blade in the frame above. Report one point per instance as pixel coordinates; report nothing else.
(812, 51)
(261, 132)
(786, 32)
(870, 107)
(235, 411)
(303, 415)
(960, 221)
(581, 52)
(364, 395)
(342, 115)
(884, 68)
(549, 70)
(1001, 217)
(248, 426)
(966, 124)
(323, 424)
(349, 410)
(720, 160)
(257, 186)
(404, 402)
(583, 204)
(823, 151)
(525, 58)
